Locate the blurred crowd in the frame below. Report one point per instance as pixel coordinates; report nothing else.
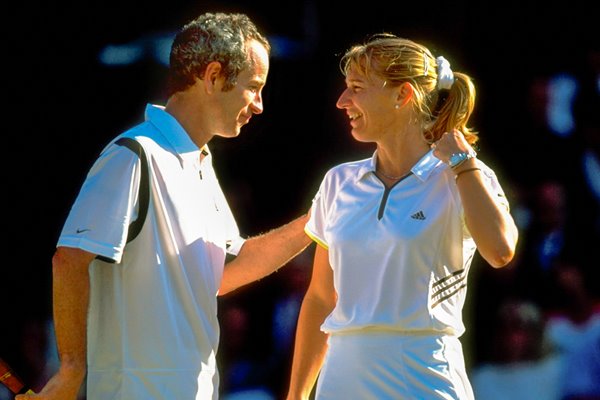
(536, 323)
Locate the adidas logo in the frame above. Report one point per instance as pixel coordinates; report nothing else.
(418, 215)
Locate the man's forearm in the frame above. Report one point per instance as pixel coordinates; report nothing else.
(70, 307)
(264, 254)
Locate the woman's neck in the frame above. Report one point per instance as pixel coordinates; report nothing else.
(399, 153)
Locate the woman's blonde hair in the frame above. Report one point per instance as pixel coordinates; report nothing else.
(398, 60)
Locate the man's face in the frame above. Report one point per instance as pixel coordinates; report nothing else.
(245, 98)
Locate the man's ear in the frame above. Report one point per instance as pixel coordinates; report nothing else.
(405, 93)
(211, 76)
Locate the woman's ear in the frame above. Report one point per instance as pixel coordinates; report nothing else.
(405, 93)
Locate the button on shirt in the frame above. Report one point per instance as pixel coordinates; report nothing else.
(153, 330)
(400, 255)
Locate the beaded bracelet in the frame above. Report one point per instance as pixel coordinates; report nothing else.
(465, 170)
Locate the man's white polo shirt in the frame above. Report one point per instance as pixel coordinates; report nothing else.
(400, 256)
(153, 329)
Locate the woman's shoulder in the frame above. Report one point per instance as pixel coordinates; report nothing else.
(487, 169)
(347, 171)
(353, 166)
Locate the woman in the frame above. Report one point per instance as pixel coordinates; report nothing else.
(397, 233)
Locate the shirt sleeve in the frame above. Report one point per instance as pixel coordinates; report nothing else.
(316, 225)
(99, 218)
(494, 186)
(233, 240)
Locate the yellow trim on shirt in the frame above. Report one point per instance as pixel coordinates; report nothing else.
(316, 239)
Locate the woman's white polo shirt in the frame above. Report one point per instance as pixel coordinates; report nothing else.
(401, 255)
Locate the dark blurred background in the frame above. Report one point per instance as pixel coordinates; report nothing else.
(78, 73)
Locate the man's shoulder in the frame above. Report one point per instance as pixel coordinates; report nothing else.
(144, 133)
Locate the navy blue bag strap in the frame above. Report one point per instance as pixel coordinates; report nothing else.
(144, 191)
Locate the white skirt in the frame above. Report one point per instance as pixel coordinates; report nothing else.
(387, 365)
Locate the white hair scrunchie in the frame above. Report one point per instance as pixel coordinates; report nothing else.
(445, 77)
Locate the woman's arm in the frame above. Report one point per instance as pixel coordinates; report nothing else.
(488, 220)
(311, 342)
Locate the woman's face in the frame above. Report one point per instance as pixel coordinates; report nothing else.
(369, 104)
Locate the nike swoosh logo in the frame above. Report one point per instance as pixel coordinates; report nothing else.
(82, 230)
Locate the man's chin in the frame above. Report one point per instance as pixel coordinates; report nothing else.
(230, 134)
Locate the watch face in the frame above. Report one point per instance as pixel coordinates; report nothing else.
(457, 158)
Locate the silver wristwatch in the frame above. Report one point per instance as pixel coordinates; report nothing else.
(458, 158)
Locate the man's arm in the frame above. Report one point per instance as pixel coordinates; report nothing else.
(70, 306)
(264, 254)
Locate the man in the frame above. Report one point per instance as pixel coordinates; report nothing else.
(140, 259)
